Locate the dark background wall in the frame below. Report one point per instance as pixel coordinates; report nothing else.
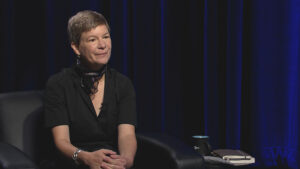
(224, 68)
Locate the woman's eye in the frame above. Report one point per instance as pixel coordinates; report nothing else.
(106, 37)
(92, 40)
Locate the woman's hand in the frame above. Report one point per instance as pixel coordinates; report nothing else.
(96, 158)
(114, 162)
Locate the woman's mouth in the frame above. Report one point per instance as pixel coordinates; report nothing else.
(101, 54)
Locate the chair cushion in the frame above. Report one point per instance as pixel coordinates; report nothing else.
(11, 157)
(21, 123)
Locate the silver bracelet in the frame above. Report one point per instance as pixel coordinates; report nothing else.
(75, 156)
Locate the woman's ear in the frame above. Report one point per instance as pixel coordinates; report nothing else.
(75, 48)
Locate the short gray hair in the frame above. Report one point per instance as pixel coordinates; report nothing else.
(84, 21)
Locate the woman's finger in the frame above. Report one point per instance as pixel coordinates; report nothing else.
(105, 165)
(111, 166)
(118, 162)
(106, 151)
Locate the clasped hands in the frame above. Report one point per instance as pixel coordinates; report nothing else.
(104, 159)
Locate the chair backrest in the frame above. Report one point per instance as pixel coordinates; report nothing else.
(21, 124)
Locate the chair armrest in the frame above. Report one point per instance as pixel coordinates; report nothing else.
(158, 150)
(12, 157)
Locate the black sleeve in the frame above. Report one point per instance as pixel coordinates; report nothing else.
(55, 104)
(127, 103)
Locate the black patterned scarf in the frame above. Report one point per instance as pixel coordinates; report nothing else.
(90, 79)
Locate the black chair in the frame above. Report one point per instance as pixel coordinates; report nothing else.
(156, 150)
(26, 144)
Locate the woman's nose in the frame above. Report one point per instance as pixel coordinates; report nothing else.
(101, 44)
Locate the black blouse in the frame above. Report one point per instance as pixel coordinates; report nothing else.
(66, 103)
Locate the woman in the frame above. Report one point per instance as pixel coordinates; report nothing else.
(91, 108)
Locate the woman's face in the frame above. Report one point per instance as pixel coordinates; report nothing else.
(94, 47)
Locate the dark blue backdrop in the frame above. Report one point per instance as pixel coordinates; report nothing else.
(224, 68)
